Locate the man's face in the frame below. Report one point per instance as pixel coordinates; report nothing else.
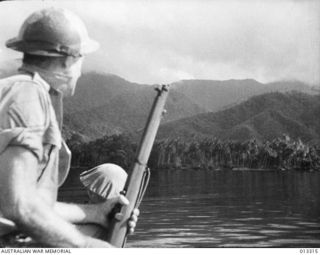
(71, 73)
(74, 72)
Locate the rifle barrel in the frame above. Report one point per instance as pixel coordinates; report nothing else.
(118, 229)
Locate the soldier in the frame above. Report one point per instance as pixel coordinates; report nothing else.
(53, 42)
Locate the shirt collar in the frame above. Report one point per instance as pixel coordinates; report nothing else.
(35, 76)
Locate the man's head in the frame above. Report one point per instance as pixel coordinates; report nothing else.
(62, 73)
(54, 41)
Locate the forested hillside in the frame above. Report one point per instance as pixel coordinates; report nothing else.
(263, 117)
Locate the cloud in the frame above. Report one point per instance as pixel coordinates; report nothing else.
(164, 41)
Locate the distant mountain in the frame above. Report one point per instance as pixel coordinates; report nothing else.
(263, 117)
(108, 104)
(217, 95)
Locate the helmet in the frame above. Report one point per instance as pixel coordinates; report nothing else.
(53, 32)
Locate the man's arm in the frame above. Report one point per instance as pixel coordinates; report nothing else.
(88, 213)
(95, 213)
(21, 203)
(78, 213)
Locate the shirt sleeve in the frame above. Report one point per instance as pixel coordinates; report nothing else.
(25, 119)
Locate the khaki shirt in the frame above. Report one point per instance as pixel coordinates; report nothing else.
(28, 119)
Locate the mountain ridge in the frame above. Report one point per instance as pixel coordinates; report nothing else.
(214, 95)
(108, 104)
(263, 117)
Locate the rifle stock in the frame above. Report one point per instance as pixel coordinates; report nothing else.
(118, 229)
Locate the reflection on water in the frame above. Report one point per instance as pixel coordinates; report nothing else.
(230, 209)
(225, 209)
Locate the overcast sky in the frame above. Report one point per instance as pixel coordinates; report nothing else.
(165, 41)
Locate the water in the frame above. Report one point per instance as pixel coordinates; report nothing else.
(230, 209)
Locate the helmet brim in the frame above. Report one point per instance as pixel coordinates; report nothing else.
(46, 49)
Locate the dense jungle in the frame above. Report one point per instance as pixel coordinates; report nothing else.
(283, 153)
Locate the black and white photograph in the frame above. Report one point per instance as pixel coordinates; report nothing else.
(160, 124)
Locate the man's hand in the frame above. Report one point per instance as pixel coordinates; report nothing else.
(106, 208)
(132, 221)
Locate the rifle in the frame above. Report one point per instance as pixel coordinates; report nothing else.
(137, 182)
